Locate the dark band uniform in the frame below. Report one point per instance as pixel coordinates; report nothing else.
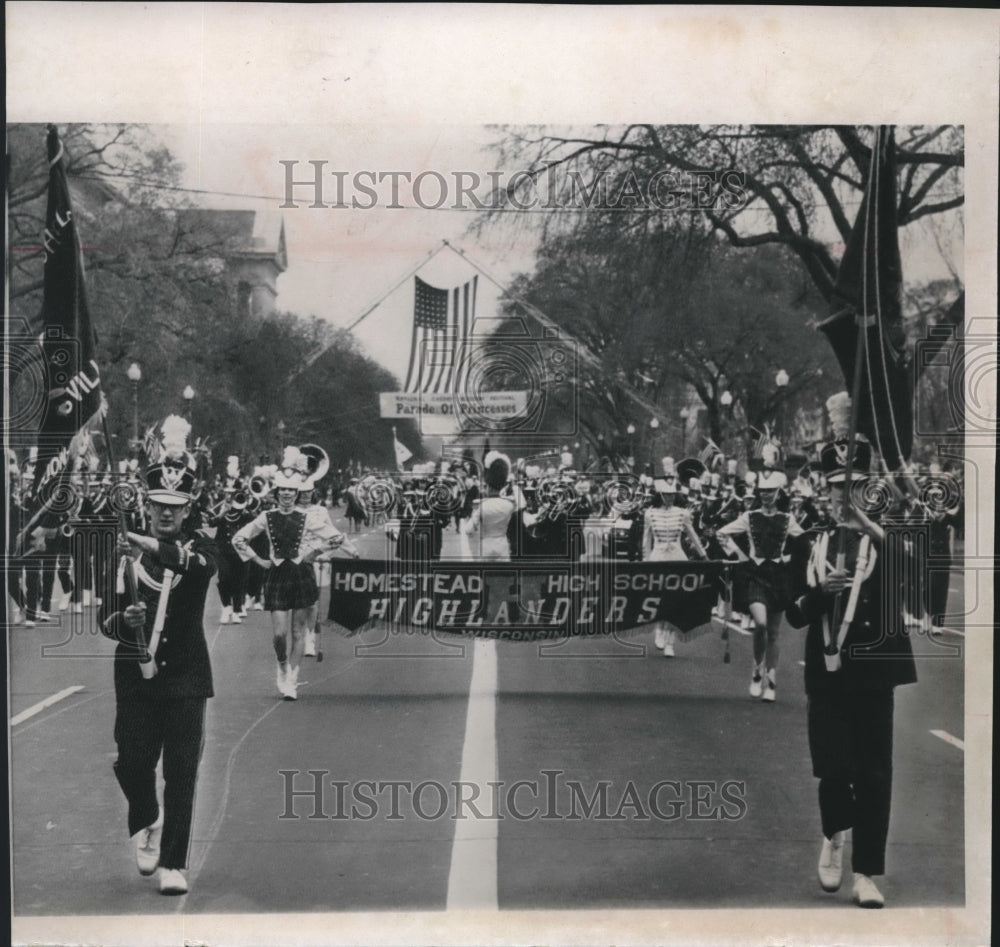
(850, 710)
(766, 577)
(166, 713)
(233, 571)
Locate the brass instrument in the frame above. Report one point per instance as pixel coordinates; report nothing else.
(318, 461)
(260, 487)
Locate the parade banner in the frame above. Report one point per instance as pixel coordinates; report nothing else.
(498, 405)
(523, 600)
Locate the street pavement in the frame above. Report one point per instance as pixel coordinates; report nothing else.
(621, 778)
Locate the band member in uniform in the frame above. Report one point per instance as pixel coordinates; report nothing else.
(297, 537)
(767, 575)
(857, 651)
(316, 548)
(664, 526)
(232, 569)
(357, 512)
(163, 675)
(490, 518)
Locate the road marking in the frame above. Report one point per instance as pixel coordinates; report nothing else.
(472, 879)
(948, 738)
(44, 704)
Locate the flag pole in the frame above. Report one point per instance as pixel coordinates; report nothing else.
(861, 321)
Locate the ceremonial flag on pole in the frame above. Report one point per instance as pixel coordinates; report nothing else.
(442, 322)
(73, 398)
(763, 439)
(710, 454)
(867, 297)
(403, 453)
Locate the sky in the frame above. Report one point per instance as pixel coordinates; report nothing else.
(342, 261)
(345, 260)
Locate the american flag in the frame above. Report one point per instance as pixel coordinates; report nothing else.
(710, 454)
(442, 322)
(763, 439)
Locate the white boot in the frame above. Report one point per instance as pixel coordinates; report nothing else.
(659, 638)
(310, 651)
(281, 679)
(226, 616)
(668, 643)
(292, 684)
(769, 686)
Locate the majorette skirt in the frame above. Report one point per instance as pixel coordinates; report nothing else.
(769, 583)
(290, 585)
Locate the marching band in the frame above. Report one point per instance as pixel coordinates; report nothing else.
(265, 536)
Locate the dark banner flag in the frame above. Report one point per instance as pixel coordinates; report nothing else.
(867, 295)
(523, 601)
(73, 398)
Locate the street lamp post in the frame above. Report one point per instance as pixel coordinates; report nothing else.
(685, 414)
(281, 435)
(188, 398)
(134, 373)
(630, 430)
(726, 400)
(781, 380)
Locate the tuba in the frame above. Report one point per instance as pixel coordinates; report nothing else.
(318, 462)
(260, 486)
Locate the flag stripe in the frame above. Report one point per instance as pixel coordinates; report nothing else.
(442, 321)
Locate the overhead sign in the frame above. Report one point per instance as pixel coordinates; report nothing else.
(498, 405)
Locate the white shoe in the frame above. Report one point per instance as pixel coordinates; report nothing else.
(43, 617)
(147, 846)
(668, 651)
(30, 623)
(281, 678)
(64, 604)
(98, 602)
(831, 863)
(668, 644)
(226, 615)
(258, 606)
(769, 694)
(172, 881)
(236, 619)
(866, 894)
(659, 638)
(310, 651)
(242, 612)
(291, 691)
(757, 682)
(77, 609)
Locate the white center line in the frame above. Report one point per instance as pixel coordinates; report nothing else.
(42, 705)
(472, 880)
(948, 738)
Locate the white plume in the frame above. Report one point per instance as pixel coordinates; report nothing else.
(173, 437)
(838, 406)
(295, 459)
(232, 467)
(769, 455)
